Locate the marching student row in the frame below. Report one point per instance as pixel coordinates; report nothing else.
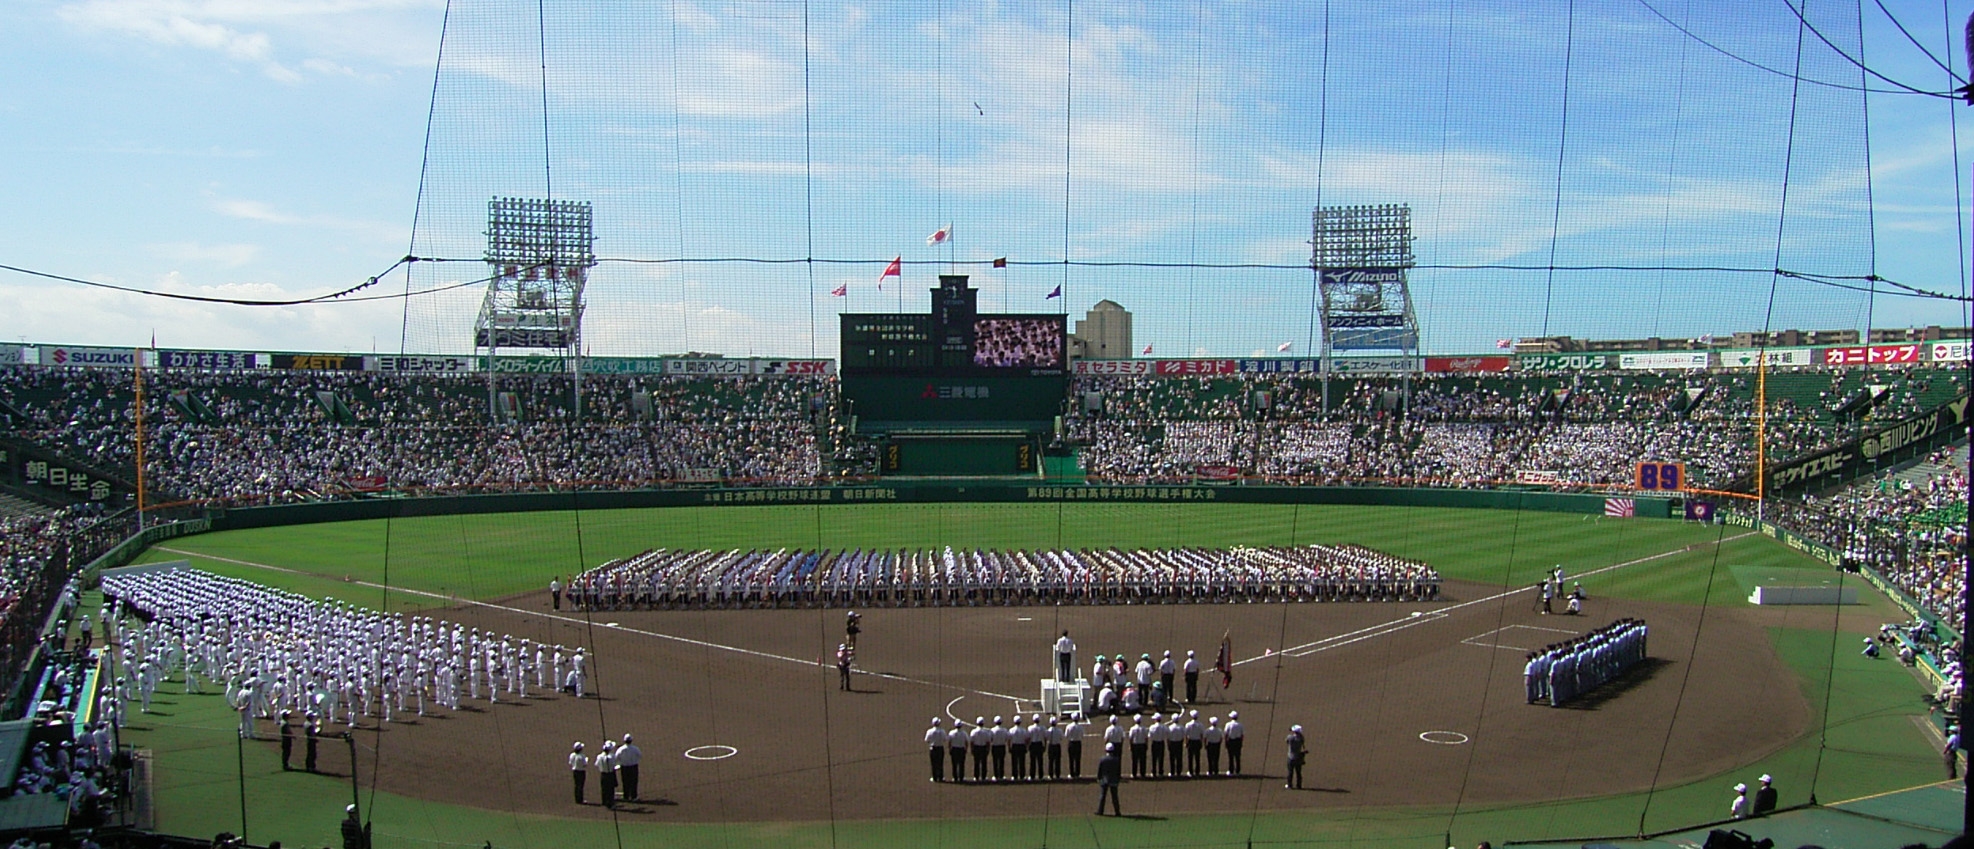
(1566, 670)
(276, 652)
(663, 578)
(1178, 745)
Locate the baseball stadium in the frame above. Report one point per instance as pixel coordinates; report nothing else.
(485, 423)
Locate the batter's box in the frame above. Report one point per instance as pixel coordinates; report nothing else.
(1536, 637)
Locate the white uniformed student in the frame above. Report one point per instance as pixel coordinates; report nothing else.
(979, 740)
(1072, 739)
(1038, 740)
(606, 775)
(578, 769)
(1195, 740)
(1738, 809)
(956, 750)
(1213, 736)
(1192, 677)
(1236, 736)
(1139, 739)
(998, 746)
(1055, 733)
(628, 757)
(935, 744)
(1018, 747)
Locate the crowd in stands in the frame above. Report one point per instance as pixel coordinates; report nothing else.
(1464, 430)
(1909, 526)
(249, 437)
(38, 555)
(693, 579)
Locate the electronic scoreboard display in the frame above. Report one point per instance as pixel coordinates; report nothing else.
(954, 340)
(955, 367)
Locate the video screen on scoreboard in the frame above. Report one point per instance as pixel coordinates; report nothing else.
(1019, 342)
(989, 345)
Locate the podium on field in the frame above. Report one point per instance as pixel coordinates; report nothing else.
(1060, 698)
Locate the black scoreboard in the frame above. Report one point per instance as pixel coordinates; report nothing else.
(955, 340)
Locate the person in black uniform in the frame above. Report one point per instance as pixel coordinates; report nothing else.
(1110, 773)
(287, 742)
(313, 731)
(1297, 754)
(1765, 796)
(356, 835)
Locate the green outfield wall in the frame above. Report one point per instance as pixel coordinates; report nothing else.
(921, 493)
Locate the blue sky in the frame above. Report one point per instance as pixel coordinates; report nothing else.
(270, 148)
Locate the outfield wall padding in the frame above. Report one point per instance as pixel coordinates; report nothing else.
(944, 492)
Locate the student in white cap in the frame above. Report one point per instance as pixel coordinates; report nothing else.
(1739, 808)
(628, 756)
(1236, 734)
(578, 769)
(935, 744)
(1764, 796)
(1298, 752)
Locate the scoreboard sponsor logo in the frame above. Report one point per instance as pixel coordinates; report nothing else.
(231, 360)
(1751, 357)
(424, 365)
(1374, 365)
(1368, 320)
(1563, 362)
(795, 367)
(521, 337)
(1112, 367)
(1664, 360)
(1468, 365)
(1193, 367)
(1951, 352)
(1281, 366)
(90, 357)
(1375, 274)
(709, 367)
(1875, 355)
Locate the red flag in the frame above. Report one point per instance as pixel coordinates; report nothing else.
(1147, 351)
(840, 291)
(1001, 262)
(1284, 347)
(1225, 663)
(1504, 344)
(895, 269)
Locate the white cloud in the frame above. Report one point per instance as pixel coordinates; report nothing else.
(261, 32)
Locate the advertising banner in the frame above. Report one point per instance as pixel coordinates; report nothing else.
(1875, 355)
(218, 360)
(89, 357)
(1375, 274)
(1664, 360)
(415, 364)
(1751, 357)
(520, 337)
(1939, 426)
(317, 362)
(1951, 352)
(709, 367)
(623, 365)
(1175, 368)
(1563, 362)
(1468, 365)
(794, 368)
(1112, 367)
(532, 365)
(1281, 366)
(1374, 365)
(12, 355)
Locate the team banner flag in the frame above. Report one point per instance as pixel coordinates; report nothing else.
(1622, 508)
(842, 290)
(895, 269)
(1224, 664)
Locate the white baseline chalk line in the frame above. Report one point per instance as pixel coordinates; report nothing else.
(576, 621)
(1395, 625)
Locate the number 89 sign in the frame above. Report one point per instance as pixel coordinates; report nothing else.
(1661, 477)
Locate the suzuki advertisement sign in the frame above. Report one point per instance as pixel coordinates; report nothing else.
(90, 357)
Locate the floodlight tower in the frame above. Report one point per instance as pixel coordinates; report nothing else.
(1361, 255)
(539, 253)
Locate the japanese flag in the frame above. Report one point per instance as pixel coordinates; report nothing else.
(940, 235)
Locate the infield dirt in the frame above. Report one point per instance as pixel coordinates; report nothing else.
(1365, 679)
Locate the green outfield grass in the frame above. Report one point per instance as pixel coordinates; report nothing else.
(1866, 742)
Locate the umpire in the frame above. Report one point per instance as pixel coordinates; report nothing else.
(1110, 773)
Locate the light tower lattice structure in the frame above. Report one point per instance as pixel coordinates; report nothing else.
(539, 256)
(1361, 256)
